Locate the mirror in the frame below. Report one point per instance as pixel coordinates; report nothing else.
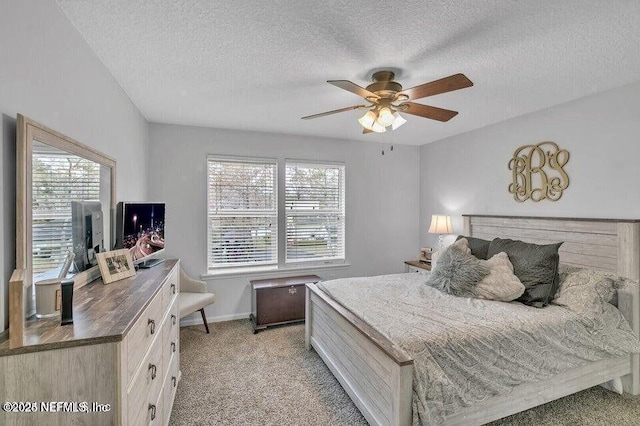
(65, 200)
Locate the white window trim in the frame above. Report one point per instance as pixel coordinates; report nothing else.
(270, 271)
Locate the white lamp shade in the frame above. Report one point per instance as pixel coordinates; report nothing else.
(385, 117)
(378, 128)
(397, 121)
(440, 224)
(367, 120)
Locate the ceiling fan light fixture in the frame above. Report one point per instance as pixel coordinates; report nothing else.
(378, 128)
(398, 120)
(367, 121)
(386, 98)
(385, 117)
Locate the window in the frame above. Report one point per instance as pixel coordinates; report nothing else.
(58, 178)
(242, 212)
(314, 208)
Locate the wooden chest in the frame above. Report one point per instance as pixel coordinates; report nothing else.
(276, 301)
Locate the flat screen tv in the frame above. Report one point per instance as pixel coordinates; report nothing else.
(140, 228)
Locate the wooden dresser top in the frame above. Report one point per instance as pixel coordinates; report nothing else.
(101, 313)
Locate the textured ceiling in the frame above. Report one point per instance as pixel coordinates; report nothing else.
(261, 65)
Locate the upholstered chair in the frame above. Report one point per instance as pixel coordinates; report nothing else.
(194, 297)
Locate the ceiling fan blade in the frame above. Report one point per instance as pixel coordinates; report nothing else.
(353, 88)
(444, 85)
(335, 111)
(427, 111)
(365, 131)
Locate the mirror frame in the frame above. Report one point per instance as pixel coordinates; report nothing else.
(27, 131)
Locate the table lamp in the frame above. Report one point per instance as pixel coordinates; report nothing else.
(440, 224)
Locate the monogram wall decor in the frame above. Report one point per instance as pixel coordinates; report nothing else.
(538, 172)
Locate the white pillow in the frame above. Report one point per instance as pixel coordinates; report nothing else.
(585, 290)
(501, 284)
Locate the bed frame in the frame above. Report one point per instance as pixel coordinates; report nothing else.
(378, 375)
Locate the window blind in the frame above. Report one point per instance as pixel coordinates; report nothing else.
(57, 179)
(242, 212)
(315, 212)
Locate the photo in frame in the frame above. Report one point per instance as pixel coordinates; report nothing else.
(115, 265)
(425, 254)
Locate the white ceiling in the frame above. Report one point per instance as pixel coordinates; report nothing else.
(261, 65)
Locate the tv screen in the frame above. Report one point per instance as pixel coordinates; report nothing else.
(140, 228)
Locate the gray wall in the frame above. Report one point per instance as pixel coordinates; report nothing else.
(381, 200)
(49, 73)
(468, 173)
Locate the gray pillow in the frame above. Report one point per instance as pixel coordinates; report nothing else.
(457, 272)
(478, 246)
(536, 266)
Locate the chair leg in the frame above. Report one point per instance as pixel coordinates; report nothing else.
(204, 319)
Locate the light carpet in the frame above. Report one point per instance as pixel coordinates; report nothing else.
(233, 377)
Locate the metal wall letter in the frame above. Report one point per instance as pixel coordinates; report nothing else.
(538, 172)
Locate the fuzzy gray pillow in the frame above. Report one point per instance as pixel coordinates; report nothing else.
(457, 271)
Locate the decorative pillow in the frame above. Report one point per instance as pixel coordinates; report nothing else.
(478, 246)
(457, 271)
(536, 266)
(461, 243)
(501, 284)
(585, 290)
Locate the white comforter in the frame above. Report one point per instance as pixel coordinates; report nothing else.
(468, 350)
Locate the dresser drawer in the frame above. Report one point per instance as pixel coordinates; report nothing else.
(170, 332)
(170, 289)
(142, 333)
(413, 269)
(147, 383)
(171, 384)
(155, 412)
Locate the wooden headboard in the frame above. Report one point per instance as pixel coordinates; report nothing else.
(611, 245)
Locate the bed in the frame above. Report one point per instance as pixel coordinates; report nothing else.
(378, 375)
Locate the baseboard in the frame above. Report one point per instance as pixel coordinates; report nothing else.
(197, 320)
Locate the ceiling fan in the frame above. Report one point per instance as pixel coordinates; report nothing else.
(387, 100)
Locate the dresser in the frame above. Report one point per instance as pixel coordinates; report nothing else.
(117, 364)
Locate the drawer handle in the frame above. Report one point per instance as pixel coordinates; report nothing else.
(152, 408)
(173, 289)
(153, 369)
(173, 319)
(173, 347)
(152, 323)
(174, 381)
(293, 290)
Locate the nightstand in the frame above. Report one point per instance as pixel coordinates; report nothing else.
(416, 266)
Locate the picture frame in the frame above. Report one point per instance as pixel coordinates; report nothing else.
(115, 265)
(425, 254)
